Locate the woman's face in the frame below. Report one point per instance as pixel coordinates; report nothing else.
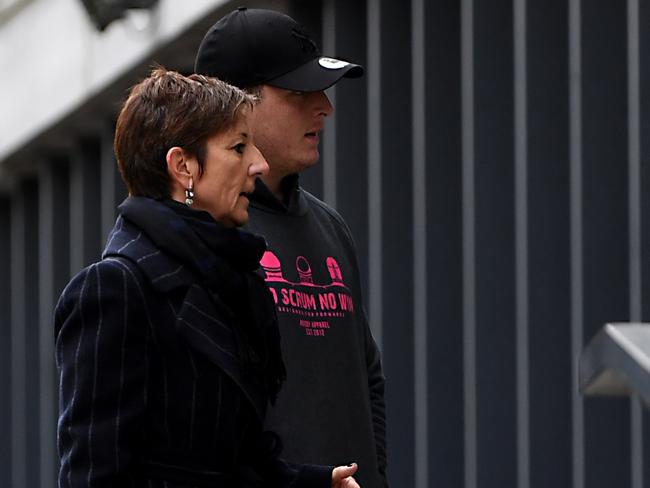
(232, 162)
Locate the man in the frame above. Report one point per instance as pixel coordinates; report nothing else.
(331, 409)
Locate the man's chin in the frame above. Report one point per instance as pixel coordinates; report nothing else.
(295, 166)
(311, 161)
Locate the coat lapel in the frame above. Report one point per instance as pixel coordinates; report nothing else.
(203, 323)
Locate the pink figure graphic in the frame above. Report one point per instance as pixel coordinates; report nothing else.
(304, 271)
(335, 271)
(272, 267)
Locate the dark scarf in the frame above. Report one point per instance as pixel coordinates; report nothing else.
(224, 260)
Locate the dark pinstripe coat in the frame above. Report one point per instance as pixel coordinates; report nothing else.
(152, 392)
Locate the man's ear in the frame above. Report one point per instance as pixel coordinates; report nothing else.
(180, 166)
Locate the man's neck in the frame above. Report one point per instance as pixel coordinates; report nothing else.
(274, 184)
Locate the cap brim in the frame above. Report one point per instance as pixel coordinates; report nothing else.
(318, 74)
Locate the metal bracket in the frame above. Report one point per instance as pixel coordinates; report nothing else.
(617, 362)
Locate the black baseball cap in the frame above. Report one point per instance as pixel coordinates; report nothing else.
(250, 47)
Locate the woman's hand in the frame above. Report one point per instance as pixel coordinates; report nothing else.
(342, 476)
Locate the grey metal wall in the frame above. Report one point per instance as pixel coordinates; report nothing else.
(493, 170)
(494, 165)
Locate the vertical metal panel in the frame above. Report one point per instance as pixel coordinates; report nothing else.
(577, 292)
(636, 440)
(494, 251)
(18, 367)
(419, 243)
(396, 140)
(634, 209)
(521, 242)
(31, 324)
(329, 137)
(549, 260)
(634, 157)
(85, 209)
(605, 225)
(53, 274)
(444, 258)
(375, 297)
(5, 340)
(644, 198)
(469, 244)
(113, 190)
(24, 336)
(351, 129)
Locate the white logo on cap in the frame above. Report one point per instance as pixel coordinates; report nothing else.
(331, 63)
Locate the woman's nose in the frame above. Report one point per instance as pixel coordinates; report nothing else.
(257, 165)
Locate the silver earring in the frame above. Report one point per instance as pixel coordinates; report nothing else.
(189, 193)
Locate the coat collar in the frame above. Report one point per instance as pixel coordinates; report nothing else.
(164, 272)
(203, 320)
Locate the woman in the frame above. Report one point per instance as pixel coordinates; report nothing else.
(168, 348)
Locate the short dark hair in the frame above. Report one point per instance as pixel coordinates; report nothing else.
(255, 90)
(164, 110)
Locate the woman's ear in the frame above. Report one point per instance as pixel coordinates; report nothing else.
(181, 168)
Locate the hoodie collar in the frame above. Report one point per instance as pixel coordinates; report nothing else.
(295, 204)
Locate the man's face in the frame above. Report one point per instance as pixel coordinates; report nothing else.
(286, 127)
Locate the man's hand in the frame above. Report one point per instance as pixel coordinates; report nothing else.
(342, 476)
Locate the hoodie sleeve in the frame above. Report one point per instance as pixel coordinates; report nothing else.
(101, 348)
(268, 466)
(376, 382)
